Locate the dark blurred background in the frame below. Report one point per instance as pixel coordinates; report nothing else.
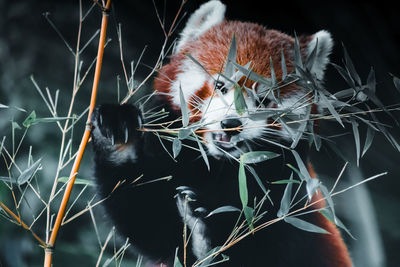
(29, 45)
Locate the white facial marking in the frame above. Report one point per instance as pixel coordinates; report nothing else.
(190, 79)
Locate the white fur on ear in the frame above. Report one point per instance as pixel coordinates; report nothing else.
(207, 15)
(324, 49)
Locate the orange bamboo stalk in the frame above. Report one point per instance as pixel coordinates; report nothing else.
(85, 138)
(20, 222)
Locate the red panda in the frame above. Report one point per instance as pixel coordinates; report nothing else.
(154, 216)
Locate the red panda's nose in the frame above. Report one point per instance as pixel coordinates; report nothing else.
(231, 126)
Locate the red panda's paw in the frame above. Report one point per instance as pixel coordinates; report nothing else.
(116, 131)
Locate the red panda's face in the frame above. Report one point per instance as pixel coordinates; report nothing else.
(229, 104)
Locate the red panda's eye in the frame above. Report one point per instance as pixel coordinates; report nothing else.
(219, 85)
(262, 102)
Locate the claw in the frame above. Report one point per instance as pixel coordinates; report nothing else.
(181, 188)
(126, 135)
(100, 120)
(200, 211)
(189, 194)
(112, 140)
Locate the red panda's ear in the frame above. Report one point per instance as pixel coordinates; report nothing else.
(206, 16)
(323, 41)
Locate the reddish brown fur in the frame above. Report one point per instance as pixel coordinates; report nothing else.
(333, 246)
(255, 44)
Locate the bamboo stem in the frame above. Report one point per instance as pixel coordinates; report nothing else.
(86, 135)
(20, 222)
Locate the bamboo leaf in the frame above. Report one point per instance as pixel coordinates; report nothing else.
(253, 76)
(327, 214)
(345, 75)
(306, 226)
(350, 67)
(258, 156)
(27, 174)
(231, 58)
(368, 140)
(65, 179)
(249, 215)
(203, 153)
(176, 147)
(273, 75)
(297, 54)
(184, 133)
(30, 119)
(328, 199)
(283, 65)
(243, 184)
(356, 134)
(331, 109)
(286, 181)
(222, 209)
(184, 108)
(286, 198)
(258, 180)
(240, 102)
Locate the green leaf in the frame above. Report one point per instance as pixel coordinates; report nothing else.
(258, 180)
(177, 263)
(368, 140)
(2, 144)
(286, 199)
(203, 153)
(7, 179)
(243, 184)
(30, 119)
(15, 125)
(240, 102)
(209, 260)
(27, 174)
(328, 214)
(273, 75)
(229, 67)
(312, 183)
(297, 53)
(283, 65)
(176, 147)
(184, 108)
(253, 76)
(285, 181)
(65, 179)
(249, 215)
(306, 226)
(328, 199)
(330, 108)
(356, 134)
(222, 209)
(258, 156)
(345, 75)
(302, 167)
(184, 133)
(350, 67)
